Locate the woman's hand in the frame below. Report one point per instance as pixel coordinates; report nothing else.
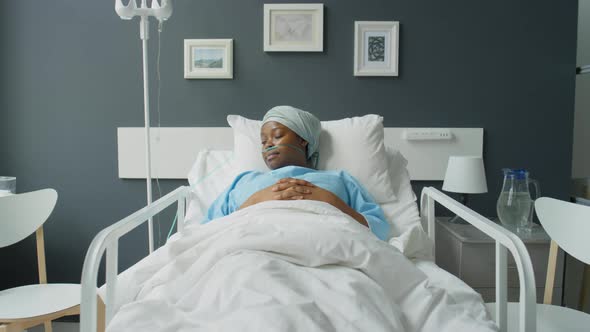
(286, 183)
(284, 189)
(294, 189)
(315, 193)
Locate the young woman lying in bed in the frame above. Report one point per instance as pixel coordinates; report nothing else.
(276, 257)
(290, 141)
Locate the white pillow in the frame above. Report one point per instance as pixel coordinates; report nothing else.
(214, 170)
(352, 144)
(402, 213)
(212, 173)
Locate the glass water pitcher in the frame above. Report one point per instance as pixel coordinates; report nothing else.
(515, 206)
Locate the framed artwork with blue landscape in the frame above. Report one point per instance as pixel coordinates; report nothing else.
(208, 58)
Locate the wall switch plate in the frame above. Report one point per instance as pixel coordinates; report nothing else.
(422, 134)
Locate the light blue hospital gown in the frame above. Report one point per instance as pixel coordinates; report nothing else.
(340, 183)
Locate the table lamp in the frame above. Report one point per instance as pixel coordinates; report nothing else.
(465, 175)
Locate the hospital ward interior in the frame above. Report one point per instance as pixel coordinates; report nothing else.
(335, 165)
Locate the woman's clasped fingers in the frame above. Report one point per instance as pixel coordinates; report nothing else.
(295, 192)
(293, 181)
(290, 185)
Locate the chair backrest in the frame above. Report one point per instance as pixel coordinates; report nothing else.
(567, 224)
(23, 214)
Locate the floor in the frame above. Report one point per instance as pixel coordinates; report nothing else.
(58, 327)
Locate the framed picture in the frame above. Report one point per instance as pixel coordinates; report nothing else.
(294, 27)
(208, 58)
(376, 48)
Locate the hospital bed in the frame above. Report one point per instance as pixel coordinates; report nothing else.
(213, 169)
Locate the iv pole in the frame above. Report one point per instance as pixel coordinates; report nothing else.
(161, 13)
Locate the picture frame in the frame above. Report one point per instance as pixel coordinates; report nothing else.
(208, 59)
(376, 48)
(294, 27)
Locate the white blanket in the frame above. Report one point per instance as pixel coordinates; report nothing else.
(285, 266)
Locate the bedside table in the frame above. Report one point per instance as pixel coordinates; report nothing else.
(469, 254)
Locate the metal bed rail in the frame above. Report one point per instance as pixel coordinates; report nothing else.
(504, 240)
(108, 240)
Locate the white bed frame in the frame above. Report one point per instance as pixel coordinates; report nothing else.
(108, 240)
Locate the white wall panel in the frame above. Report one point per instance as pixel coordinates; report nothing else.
(175, 149)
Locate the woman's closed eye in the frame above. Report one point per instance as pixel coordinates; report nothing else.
(276, 137)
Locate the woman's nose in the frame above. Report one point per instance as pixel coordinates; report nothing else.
(267, 145)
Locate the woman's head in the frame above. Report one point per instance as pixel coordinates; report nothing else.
(289, 137)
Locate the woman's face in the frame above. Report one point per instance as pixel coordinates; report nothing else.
(274, 134)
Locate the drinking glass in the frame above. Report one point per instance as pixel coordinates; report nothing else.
(7, 185)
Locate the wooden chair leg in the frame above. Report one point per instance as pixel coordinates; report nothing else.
(550, 278)
(48, 327)
(585, 288)
(100, 315)
(10, 327)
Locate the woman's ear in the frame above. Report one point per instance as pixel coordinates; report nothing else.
(303, 142)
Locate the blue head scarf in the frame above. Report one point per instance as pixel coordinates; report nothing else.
(303, 123)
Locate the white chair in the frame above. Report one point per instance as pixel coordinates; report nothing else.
(22, 307)
(568, 225)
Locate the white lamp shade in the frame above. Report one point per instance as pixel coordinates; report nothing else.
(465, 174)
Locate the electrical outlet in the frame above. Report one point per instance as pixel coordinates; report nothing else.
(422, 134)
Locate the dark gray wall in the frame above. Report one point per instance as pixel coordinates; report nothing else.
(71, 74)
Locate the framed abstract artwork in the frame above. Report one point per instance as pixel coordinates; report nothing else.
(208, 58)
(294, 27)
(376, 46)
